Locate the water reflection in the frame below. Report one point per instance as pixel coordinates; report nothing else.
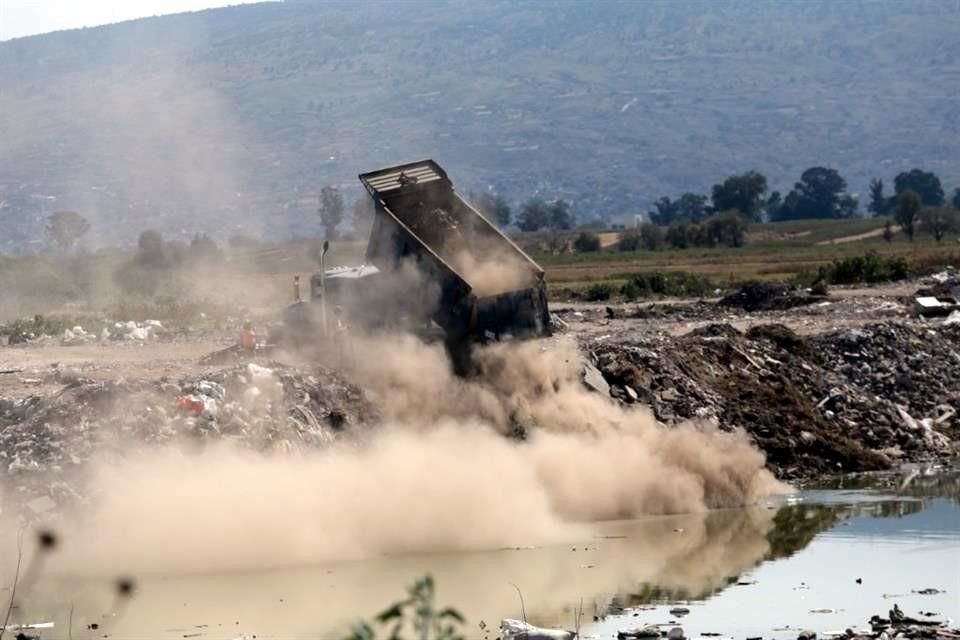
(624, 564)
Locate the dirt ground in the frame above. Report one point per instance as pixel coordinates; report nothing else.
(39, 369)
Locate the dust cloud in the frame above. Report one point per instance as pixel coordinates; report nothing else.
(492, 275)
(439, 475)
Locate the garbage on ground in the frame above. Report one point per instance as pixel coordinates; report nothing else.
(932, 306)
(48, 436)
(767, 296)
(649, 631)
(867, 397)
(519, 630)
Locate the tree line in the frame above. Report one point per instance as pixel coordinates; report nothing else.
(918, 202)
(821, 192)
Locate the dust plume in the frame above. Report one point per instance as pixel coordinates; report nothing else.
(439, 475)
(493, 274)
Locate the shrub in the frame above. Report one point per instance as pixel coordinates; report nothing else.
(725, 229)
(599, 291)
(868, 268)
(647, 236)
(629, 241)
(586, 242)
(651, 236)
(666, 283)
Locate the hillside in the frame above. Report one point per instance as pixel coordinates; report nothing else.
(232, 119)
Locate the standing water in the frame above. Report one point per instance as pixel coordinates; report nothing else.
(824, 560)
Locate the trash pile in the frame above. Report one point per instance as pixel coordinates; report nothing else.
(130, 330)
(46, 441)
(899, 625)
(940, 296)
(41, 330)
(771, 296)
(896, 625)
(850, 400)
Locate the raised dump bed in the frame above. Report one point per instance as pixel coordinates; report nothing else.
(477, 283)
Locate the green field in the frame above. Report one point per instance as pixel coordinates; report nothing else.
(783, 250)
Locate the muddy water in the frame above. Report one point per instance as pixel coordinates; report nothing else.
(765, 571)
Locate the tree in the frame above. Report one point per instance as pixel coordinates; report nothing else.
(819, 194)
(151, 249)
(493, 206)
(743, 193)
(331, 211)
(651, 236)
(774, 202)
(879, 204)
(923, 183)
(678, 235)
(939, 221)
(561, 216)
(908, 205)
(847, 206)
(534, 215)
(65, 228)
(586, 242)
(728, 228)
(955, 201)
(689, 206)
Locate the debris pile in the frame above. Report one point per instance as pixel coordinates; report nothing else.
(940, 296)
(46, 440)
(848, 400)
(899, 625)
(770, 296)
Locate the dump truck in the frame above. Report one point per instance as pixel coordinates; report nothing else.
(433, 262)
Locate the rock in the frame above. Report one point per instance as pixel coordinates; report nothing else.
(594, 380)
(807, 635)
(679, 611)
(675, 633)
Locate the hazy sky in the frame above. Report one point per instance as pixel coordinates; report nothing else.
(28, 17)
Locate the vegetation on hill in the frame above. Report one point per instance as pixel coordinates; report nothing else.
(230, 121)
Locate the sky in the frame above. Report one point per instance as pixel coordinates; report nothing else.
(28, 17)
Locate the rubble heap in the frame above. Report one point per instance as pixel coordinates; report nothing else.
(849, 400)
(769, 296)
(47, 441)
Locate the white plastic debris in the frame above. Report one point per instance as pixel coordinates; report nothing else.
(519, 630)
(259, 374)
(26, 627)
(139, 333)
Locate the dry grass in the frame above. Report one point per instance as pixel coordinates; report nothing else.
(763, 262)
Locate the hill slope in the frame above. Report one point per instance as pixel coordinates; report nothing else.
(232, 119)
